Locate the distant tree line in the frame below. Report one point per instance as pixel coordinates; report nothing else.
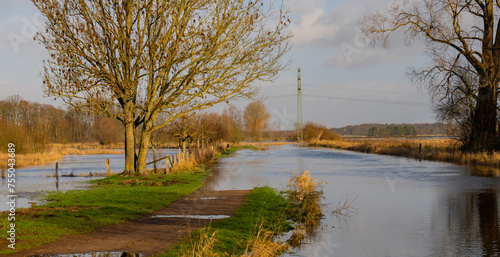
(391, 131)
(31, 126)
(421, 128)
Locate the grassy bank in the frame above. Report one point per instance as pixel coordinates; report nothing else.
(445, 150)
(261, 216)
(81, 211)
(251, 231)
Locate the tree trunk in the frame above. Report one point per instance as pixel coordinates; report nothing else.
(129, 142)
(484, 126)
(143, 152)
(184, 145)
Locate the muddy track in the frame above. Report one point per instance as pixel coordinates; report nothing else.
(147, 235)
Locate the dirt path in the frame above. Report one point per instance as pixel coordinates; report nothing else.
(147, 235)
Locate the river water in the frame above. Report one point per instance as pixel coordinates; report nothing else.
(403, 207)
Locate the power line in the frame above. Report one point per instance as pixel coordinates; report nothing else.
(354, 89)
(353, 99)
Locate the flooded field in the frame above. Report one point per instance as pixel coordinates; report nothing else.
(74, 173)
(403, 208)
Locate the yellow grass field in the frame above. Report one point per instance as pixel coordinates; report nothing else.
(445, 150)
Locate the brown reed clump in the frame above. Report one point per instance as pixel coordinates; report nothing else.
(264, 245)
(306, 194)
(203, 245)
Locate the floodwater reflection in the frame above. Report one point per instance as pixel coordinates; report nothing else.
(404, 207)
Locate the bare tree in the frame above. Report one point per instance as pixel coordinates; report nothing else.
(457, 33)
(185, 128)
(233, 119)
(256, 119)
(153, 56)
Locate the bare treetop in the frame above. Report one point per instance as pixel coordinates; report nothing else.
(153, 56)
(463, 42)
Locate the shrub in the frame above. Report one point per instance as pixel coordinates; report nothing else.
(315, 131)
(306, 194)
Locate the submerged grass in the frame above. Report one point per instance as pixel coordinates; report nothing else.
(254, 224)
(81, 211)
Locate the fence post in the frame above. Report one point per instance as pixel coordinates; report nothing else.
(167, 165)
(108, 170)
(57, 170)
(3, 171)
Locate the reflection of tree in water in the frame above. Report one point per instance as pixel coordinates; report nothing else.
(488, 221)
(469, 222)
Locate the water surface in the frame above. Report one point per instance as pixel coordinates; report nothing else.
(404, 207)
(74, 173)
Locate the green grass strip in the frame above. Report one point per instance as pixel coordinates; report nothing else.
(114, 200)
(264, 207)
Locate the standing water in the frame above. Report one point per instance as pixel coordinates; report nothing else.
(404, 207)
(74, 173)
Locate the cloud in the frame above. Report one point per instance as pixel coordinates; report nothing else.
(335, 31)
(328, 26)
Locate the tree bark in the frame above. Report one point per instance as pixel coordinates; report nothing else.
(484, 124)
(143, 153)
(129, 141)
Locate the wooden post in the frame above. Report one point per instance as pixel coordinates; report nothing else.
(57, 170)
(108, 170)
(420, 148)
(3, 171)
(167, 165)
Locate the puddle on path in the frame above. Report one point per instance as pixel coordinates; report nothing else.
(201, 217)
(93, 254)
(208, 198)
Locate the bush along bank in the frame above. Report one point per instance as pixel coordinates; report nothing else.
(256, 226)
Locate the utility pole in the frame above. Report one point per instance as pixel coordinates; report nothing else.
(300, 128)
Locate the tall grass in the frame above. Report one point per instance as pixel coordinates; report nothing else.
(306, 195)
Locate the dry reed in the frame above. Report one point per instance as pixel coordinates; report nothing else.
(264, 245)
(306, 194)
(445, 150)
(203, 245)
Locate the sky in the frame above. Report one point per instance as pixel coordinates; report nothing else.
(345, 81)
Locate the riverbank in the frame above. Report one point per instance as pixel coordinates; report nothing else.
(253, 226)
(444, 150)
